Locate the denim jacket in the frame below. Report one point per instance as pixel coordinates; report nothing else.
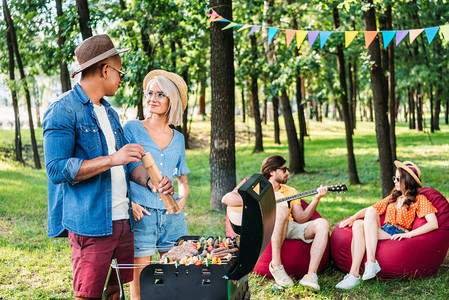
(72, 134)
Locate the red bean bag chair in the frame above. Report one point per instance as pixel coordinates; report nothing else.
(295, 254)
(416, 257)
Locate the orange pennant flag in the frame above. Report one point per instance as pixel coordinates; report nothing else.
(289, 35)
(413, 34)
(300, 36)
(369, 37)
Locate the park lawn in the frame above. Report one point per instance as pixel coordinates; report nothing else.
(35, 267)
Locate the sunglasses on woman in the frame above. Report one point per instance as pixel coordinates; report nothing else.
(395, 179)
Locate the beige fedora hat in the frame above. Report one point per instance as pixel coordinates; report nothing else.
(93, 50)
(410, 168)
(175, 78)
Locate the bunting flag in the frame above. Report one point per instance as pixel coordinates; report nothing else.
(400, 35)
(445, 31)
(369, 38)
(290, 35)
(271, 33)
(312, 37)
(387, 36)
(324, 36)
(431, 32)
(349, 37)
(413, 34)
(246, 26)
(300, 37)
(253, 29)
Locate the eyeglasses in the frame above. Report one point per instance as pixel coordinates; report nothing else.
(285, 169)
(121, 73)
(160, 96)
(395, 179)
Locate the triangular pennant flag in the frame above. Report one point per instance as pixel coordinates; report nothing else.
(213, 16)
(289, 35)
(253, 29)
(221, 19)
(271, 33)
(387, 36)
(246, 26)
(445, 31)
(312, 37)
(400, 35)
(300, 36)
(369, 37)
(431, 32)
(414, 34)
(232, 24)
(349, 37)
(324, 36)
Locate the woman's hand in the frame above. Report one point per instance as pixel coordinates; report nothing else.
(347, 222)
(401, 236)
(138, 211)
(181, 204)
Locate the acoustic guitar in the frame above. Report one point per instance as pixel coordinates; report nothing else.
(235, 212)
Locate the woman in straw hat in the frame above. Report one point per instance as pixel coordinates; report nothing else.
(166, 99)
(401, 208)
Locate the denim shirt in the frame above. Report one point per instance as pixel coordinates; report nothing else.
(72, 134)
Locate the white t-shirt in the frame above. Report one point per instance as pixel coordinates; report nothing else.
(120, 203)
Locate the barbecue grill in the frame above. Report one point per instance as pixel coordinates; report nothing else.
(219, 281)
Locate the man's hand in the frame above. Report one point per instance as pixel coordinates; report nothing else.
(126, 154)
(164, 187)
(322, 190)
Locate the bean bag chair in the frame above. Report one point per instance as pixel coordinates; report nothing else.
(295, 254)
(409, 258)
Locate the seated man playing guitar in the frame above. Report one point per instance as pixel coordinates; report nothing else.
(291, 223)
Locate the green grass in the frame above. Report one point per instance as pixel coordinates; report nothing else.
(35, 267)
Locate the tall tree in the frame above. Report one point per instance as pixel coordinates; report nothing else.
(380, 99)
(84, 18)
(12, 84)
(258, 146)
(352, 167)
(222, 144)
(391, 86)
(64, 74)
(15, 46)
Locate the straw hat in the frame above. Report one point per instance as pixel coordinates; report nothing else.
(410, 168)
(93, 50)
(175, 78)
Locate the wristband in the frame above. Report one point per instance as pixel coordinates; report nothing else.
(148, 187)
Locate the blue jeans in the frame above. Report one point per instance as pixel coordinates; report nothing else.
(391, 229)
(158, 231)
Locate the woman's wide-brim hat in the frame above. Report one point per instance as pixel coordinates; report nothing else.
(410, 168)
(173, 77)
(93, 50)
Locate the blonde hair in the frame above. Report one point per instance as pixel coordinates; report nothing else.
(174, 110)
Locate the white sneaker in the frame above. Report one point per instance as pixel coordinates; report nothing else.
(280, 276)
(310, 281)
(371, 269)
(348, 282)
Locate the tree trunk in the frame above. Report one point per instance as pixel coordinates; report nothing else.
(258, 146)
(380, 99)
(84, 18)
(64, 74)
(243, 106)
(391, 87)
(222, 145)
(352, 167)
(432, 121)
(436, 118)
(18, 136)
(277, 129)
(202, 101)
(12, 32)
(351, 97)
(301, 121)
(419, 109)
(411, 108)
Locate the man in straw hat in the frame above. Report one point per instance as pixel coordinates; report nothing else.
(89, 164)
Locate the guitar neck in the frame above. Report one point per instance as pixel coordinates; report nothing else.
(294, 197)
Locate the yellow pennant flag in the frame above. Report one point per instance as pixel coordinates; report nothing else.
(445, 31)
(349, 37)
(300, 36)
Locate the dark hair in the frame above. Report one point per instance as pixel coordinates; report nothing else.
(409, 184)
(98, 65)
(271, 163)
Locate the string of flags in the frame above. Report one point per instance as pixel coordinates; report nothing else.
(312, 35)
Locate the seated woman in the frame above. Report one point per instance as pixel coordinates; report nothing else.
(400, 208)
